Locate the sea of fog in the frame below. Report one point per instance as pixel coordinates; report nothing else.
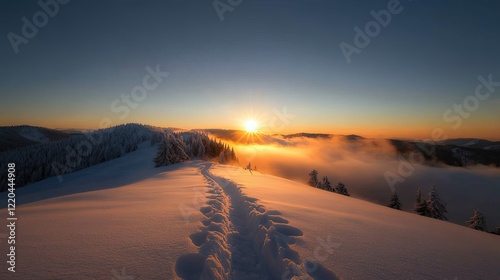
(363, 164)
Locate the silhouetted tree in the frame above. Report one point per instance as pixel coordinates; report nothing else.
(326, 185)
(162, 158)
(437, 208)
(421, 205)
(477, 221)
(313, 179)
(497, 231)
(394, 202)
(341, 189)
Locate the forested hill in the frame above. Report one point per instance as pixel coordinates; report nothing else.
(55, 158)
(12, 137)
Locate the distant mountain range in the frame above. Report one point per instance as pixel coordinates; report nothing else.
(453, 152)
(12, 137)
(473, 143)
(460, 152)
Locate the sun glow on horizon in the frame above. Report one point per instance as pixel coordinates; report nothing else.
(251, 126)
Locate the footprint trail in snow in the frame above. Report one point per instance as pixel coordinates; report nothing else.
(240, 239)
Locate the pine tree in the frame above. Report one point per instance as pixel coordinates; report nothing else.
(222, 158)
(199, 148)
(161, 158)
(497, 231)
(477, 221)
(326, 185)
(170, 151)
(178, 153)
(313, 179)
(320, 185)
(341, 189)
(437, 208)
(395, 203)
(421, 205)
(233, 155)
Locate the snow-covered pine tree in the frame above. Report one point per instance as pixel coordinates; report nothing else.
(313, 179)
(341, 189)
(178, 154)
(197, 147)
(437, 208)
(170, 151)
(394, 202)
(326, 185)
(222, 158)
(162, 157)
(200, 151)
(421, 206)
(477, 221)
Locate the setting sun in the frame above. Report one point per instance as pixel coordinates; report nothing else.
(251, 126)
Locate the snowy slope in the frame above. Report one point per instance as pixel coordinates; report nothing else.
(360, 240)
(124, 219)
(113, 220)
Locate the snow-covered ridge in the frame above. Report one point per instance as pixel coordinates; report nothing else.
(492, 147)
(33, 134)
(14, 137)
(56, 158)
(124, 219)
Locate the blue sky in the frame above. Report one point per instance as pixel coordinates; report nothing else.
(264, 55)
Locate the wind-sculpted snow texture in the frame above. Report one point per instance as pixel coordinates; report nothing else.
(241, 239)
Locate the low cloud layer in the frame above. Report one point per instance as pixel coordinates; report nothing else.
(361, 165)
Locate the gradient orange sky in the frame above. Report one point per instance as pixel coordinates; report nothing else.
(85, 65)
(274, 120)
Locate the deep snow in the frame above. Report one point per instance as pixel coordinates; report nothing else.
(125, 219)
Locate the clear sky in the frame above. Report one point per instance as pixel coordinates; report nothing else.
(264, 58)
